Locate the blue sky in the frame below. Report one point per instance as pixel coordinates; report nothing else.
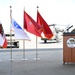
(53, 11)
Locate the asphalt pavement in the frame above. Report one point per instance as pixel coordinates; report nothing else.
(40, 61)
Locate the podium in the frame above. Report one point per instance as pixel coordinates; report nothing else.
(68, 47)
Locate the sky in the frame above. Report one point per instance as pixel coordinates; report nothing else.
(53, 11)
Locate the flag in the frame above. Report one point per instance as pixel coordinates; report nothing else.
(19, 32)
(31, 26)
(45, 28)
(3, 40)
(5, 43)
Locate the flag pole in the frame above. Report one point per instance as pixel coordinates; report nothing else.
(24, 52)
(10, 33)
(37, 58)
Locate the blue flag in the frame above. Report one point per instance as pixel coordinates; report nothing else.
(19, 32)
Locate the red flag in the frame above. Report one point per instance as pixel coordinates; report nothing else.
(45, 28)
(31, 26)
(3, 41)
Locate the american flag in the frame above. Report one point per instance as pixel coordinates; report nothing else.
(3, 40)
(1, 30)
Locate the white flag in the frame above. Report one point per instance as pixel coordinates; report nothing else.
(19, 32)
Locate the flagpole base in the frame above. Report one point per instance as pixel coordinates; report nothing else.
(23, 59)
(36, 58)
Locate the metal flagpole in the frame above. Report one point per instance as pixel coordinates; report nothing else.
(11, 33)
(37, 58)
(24, 53)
